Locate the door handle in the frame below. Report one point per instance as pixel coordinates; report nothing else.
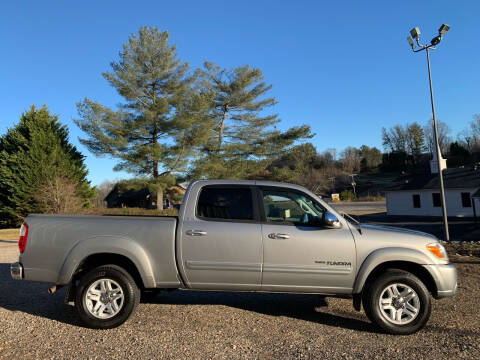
(278, 236)
(196, 232)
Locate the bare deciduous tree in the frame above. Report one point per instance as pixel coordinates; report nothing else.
(58, 195)
(351, 159)
(475, 130)
(443, 137)
(395, 138)
(102, 190)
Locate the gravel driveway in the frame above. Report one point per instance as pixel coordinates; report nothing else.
(199, 325)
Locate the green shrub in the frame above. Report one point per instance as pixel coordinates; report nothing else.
(347, 195)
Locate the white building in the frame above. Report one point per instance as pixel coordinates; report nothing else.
(420, 194)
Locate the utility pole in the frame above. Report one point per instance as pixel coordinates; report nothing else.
(353, 184)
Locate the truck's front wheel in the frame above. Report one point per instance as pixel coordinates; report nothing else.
(398, 302)
(106, 297)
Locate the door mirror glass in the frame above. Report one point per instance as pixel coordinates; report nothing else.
(331, 220)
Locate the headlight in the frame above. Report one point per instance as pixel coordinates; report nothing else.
(438, 250)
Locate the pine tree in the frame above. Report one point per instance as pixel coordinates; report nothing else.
(244, 137)
(34, 154)
(415, 140)
(158, 126)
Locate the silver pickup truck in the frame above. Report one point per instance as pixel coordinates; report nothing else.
(237, 236)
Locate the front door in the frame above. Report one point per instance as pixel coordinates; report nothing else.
(300, 253)
(222, 245)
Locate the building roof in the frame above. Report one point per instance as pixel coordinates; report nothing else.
(455, 178)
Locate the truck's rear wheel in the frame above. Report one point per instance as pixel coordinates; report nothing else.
(106, 297)
(398, 302)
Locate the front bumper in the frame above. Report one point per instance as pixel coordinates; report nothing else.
(445, 277)
(16, 271)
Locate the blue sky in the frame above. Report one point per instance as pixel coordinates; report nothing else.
(343, 67)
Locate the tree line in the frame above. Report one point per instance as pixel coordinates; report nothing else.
(209, 122)
(411, 146)
(177, 124)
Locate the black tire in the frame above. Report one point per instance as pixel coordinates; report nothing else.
(373, 292)
(131, 296)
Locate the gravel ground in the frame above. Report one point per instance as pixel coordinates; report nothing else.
(199, 325)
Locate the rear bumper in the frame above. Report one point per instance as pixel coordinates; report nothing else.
(16, 271)
(445, 277)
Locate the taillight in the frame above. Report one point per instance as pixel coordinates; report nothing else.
(22, 241)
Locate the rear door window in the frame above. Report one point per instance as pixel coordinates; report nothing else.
(225, 203)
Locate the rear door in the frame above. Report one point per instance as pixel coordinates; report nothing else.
(300, 253)
(222, 244)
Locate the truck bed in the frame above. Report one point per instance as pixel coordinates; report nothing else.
(148, 241)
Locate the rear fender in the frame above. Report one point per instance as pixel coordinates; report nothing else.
(107, 244)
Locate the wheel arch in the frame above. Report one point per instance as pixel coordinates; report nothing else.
(416, 269)
(105, 250)
(394, 258)
(99, 259)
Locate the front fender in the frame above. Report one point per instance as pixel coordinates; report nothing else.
(384, 255)
(119, 245)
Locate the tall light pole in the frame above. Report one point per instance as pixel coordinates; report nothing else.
(415, 34)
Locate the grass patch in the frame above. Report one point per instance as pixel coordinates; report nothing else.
(9, 234)
(371, 198)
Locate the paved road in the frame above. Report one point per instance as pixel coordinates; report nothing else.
(214, 325)
(461, 229)
(360, 207)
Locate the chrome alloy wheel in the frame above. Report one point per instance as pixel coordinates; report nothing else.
(399, 304)
(104, 298)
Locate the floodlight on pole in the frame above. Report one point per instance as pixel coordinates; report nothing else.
(443, 29)
(436, 40)
(410, 41)
(415, 33)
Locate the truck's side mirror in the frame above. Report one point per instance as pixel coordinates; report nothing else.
(331, 220)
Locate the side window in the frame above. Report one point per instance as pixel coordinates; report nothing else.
(416, 201)
(436, 200)
(283, 206)
(466, 200)
(225, 203)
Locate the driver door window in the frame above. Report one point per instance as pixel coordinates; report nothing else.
(289, 207)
